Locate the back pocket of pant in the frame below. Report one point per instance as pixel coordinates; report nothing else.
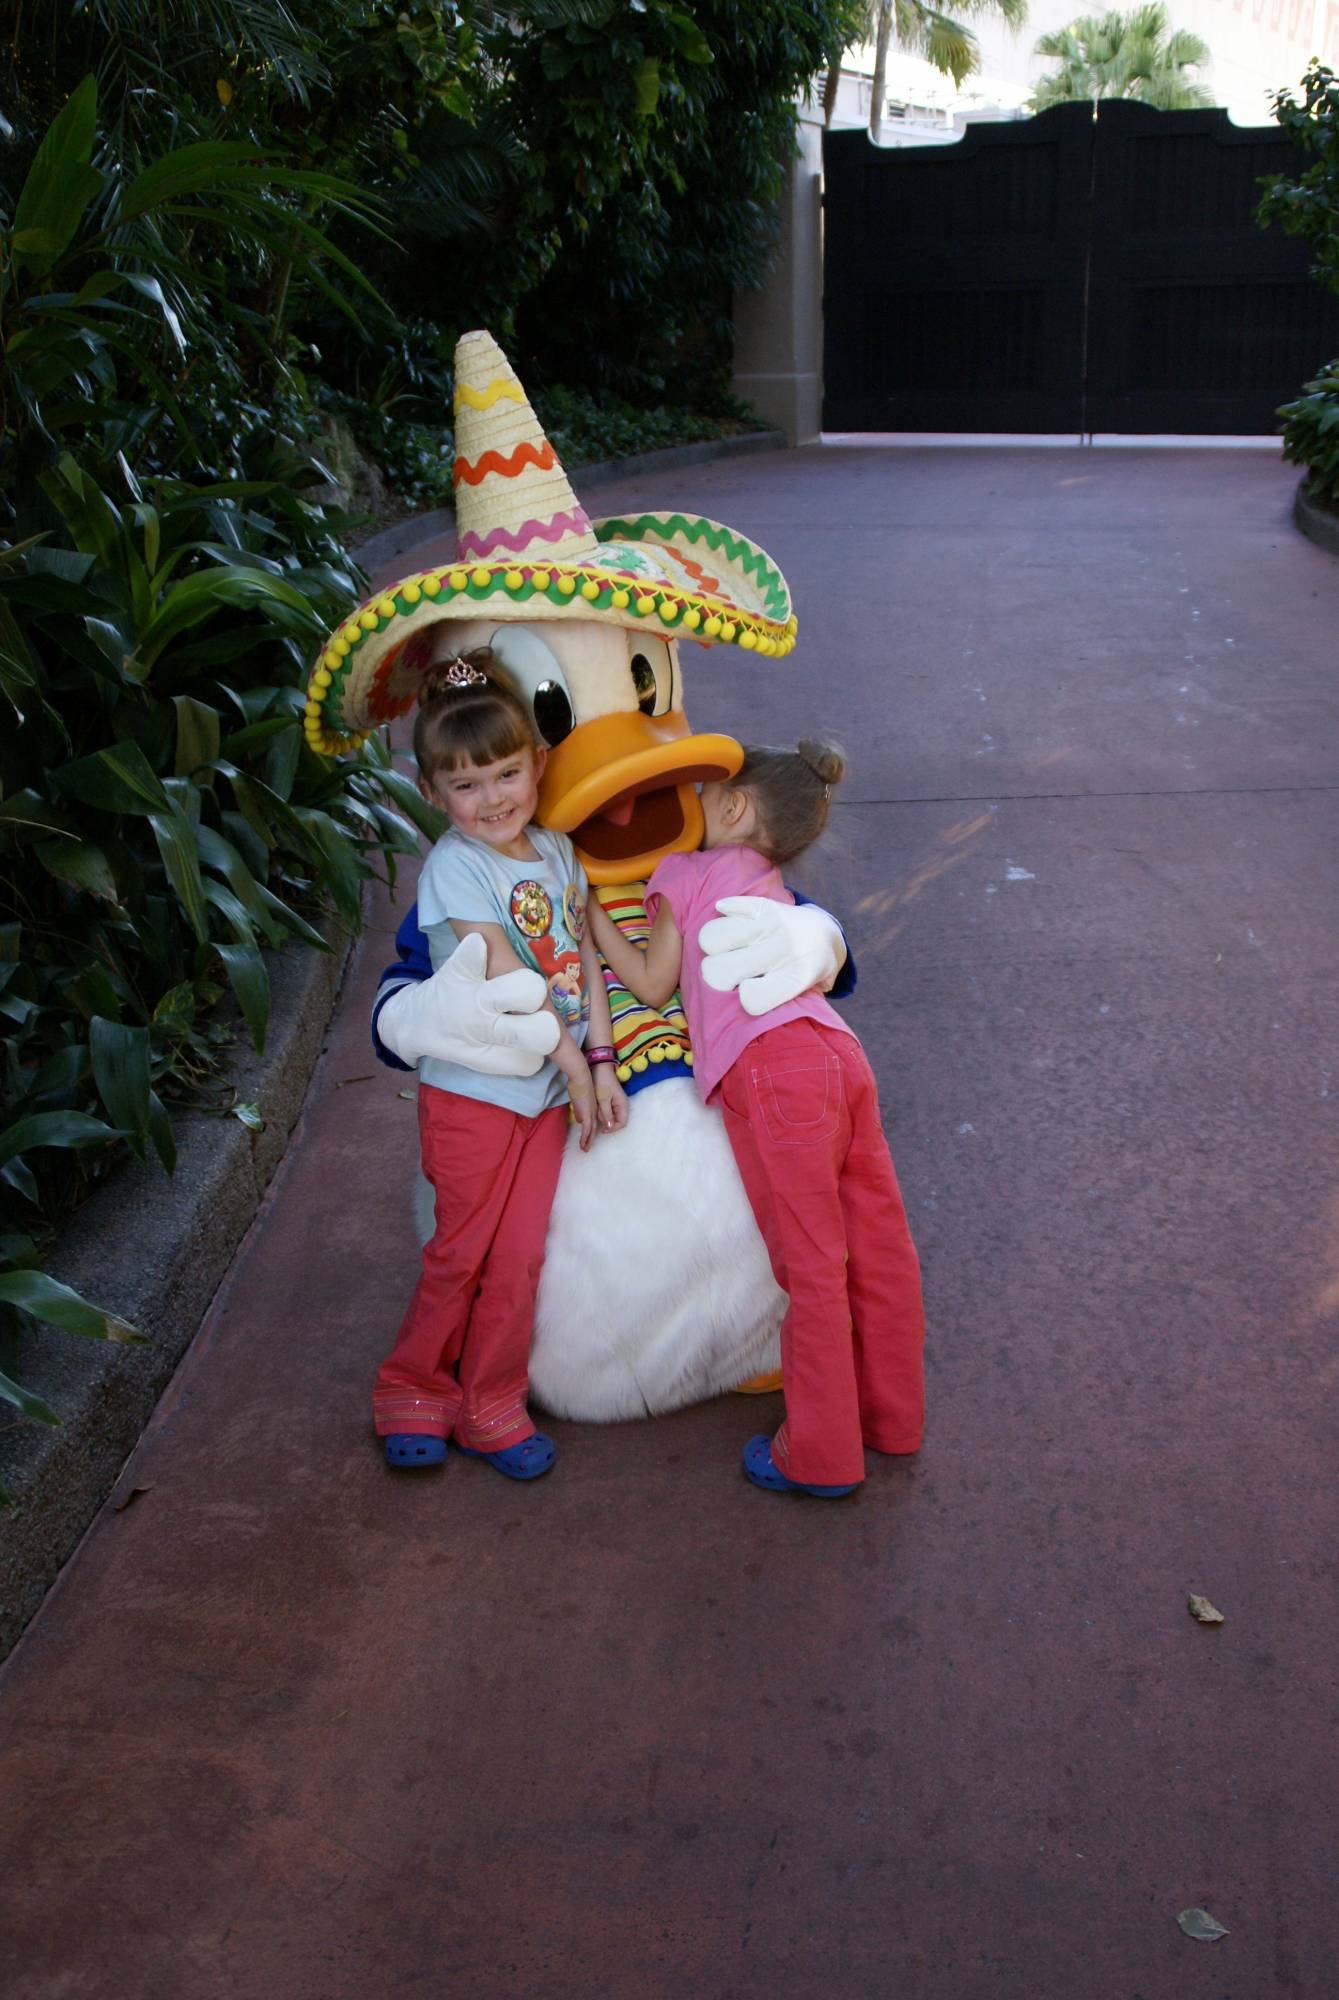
(800, 1103)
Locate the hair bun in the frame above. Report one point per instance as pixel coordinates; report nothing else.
(825, 760)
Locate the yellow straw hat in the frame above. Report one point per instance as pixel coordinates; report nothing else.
(528, 552)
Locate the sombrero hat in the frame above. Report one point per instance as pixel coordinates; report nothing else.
(527, 552)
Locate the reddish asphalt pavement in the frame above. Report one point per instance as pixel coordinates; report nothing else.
(293, 1727)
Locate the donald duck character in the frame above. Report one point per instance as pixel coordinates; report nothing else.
(656, 1290)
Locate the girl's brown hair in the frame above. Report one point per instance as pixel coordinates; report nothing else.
(477, 723)
(792, 791)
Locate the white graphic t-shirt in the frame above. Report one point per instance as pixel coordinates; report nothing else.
(541, 905)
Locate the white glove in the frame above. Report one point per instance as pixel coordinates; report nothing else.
(770, 951)
(460, 1016)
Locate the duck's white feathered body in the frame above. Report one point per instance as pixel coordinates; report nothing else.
(656, 1289)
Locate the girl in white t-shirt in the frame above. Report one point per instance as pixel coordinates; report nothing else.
(493, 1145)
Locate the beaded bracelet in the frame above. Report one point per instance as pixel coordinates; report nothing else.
(594, 1056)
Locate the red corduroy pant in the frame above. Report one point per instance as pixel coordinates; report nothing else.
(802, 1113)
(459, 1364)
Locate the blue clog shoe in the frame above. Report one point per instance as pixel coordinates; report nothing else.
(414, 1448)
(763, 1470)
(529, 1459)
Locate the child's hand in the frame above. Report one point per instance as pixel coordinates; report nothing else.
(581, 1094)
(611, 1103)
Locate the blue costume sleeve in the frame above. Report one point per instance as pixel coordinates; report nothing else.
(844, 984)
(411, 965)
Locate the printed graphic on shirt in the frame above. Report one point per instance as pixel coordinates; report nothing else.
(531, 910)
(550, 945)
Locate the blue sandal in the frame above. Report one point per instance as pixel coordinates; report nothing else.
(529, 1459)
(763, 1470)
(415, 1448)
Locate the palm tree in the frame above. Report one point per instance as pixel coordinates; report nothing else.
(922, 30)
(1124, 55)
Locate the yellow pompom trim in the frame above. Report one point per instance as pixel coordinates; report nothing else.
(330, 658)
(412, 593)
(321, 678)
(432, 586)
(540, 578)
(747, 641)
(590, 590)
(458, 579)
(567, 585)
(712, 627)
(386, 608)
(481, 576)
(669, 612)
(727, 631)
(645, 606)
(352, 633)
(620, 600)
(514, 580)
(691, 620)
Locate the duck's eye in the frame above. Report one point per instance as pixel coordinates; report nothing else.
(644, 680)
(553, 712)
(652, 667)
(539, 679)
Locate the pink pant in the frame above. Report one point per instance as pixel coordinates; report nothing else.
(802, 1114)
(459, 1363)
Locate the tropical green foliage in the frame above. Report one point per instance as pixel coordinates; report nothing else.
(1311, 434)
(1135, 55)
(161, 819)
(1308, 206)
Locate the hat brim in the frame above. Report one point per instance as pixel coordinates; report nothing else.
(684, 574)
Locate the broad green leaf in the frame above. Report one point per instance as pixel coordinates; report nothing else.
(85, 509)
(160, 1131)
(80, 864)
(298, 925)
(232, 910)
(91, 992)
(119, 1055)
(54, 1128)
(175, 1012)
(31, 1405)
(46, 1298)
(197, 734)
(119, 779)
(250, 982)
(220, 855)
(19, 1175)
(176, 844)
(405, 793)
(646, 87)
(60, 184)
(29, 809)
(340, 872)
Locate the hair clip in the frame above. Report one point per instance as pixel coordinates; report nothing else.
(460, 674)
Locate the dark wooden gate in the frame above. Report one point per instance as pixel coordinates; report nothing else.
(1066, 273)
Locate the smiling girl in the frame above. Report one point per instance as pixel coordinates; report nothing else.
(492, 1145)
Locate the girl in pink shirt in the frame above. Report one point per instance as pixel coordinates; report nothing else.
(802, 1114)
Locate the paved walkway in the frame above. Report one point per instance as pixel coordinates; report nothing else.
(291, 1727)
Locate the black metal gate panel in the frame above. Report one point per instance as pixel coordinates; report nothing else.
(1066, 273)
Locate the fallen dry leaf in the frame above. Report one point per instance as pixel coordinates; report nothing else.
(1199, 1924)
(1200, 1607)
(119, 1506)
